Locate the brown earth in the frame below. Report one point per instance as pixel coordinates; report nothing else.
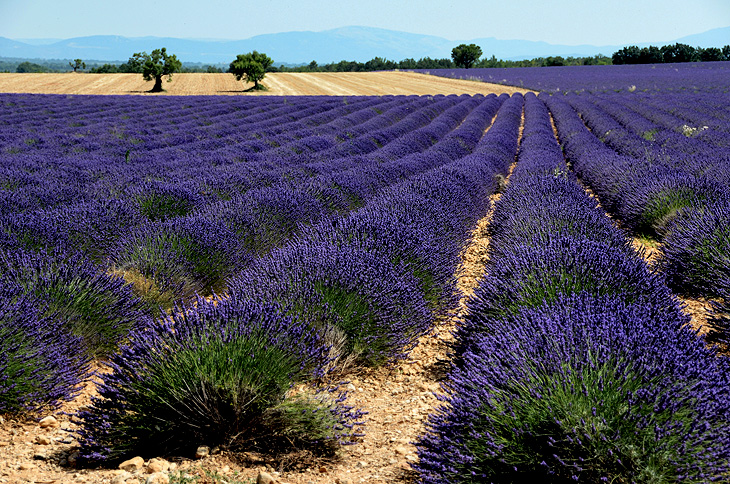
(278, 84)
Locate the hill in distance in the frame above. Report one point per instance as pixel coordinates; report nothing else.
(346, 43)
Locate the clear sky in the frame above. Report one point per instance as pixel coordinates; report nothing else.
(571, 22)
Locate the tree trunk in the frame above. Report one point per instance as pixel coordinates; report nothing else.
(158, 85)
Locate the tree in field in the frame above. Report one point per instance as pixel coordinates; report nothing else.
(156, 65)
(251, 67)
(134, 64)
(466, 55)
(77, 64)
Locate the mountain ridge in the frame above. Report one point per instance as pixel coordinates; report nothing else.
(345, 43)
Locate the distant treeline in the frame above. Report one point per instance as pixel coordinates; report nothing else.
(382, 64)
(20, 65)
(670, 53)
(628, 55)
(375, 64)
(134, 68)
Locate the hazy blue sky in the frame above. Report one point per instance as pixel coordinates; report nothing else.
(604, 22)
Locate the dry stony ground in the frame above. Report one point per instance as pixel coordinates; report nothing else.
(278, 84)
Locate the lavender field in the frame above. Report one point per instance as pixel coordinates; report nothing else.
(694, 77)
(216, 253)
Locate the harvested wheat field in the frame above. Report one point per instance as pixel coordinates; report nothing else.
(278, 84)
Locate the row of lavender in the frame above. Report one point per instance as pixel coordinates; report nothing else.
(679, 78)
(575, 362)
(216, 154)
(176, 239)
(63, 262)
(352, 289)
(663, 172)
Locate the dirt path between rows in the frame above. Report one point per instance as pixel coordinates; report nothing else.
(279, 84)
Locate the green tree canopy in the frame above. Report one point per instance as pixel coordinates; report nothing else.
(650, 55)
(466, 55)
(670, 53)
(251, 67)
(627, 55)
(77, 64)
(155, 65)
(711, 54)
(25, 67)
(679, 53)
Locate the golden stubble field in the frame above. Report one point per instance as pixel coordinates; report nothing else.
(278, 84)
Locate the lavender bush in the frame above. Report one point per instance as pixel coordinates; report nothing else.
(221, 373)
(159, 201)
(41, 363)
(378, 308)
(696, 249)
(588, 389)
(76, 295)
(178, 258)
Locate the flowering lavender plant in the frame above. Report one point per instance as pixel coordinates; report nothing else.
(41, 363)
(696, 250)
(378, 307)
(219, 373)
(587, 388)
(84, 300)
(177, 258)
